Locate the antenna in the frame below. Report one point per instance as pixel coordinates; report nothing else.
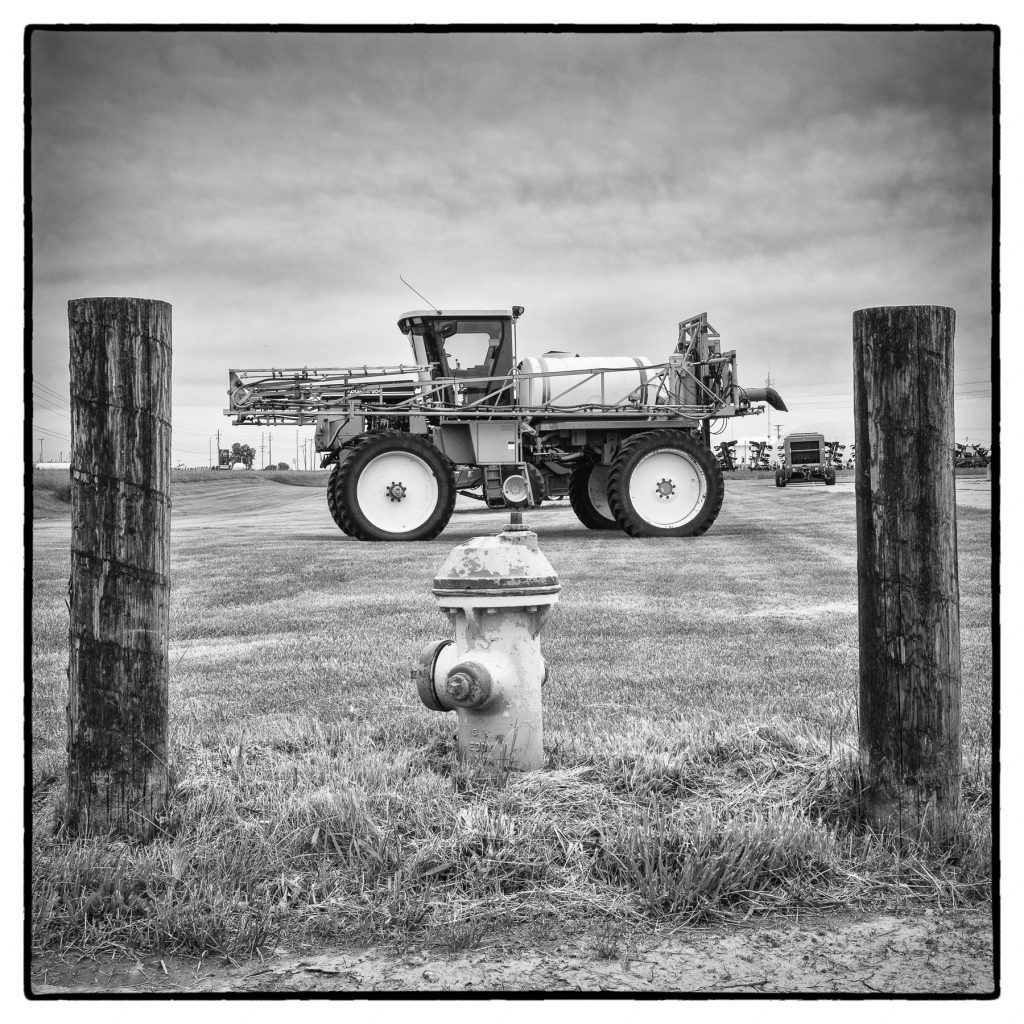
(421, 295)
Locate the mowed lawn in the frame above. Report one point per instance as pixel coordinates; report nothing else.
(700, 723)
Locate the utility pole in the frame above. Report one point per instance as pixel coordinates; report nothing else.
(270, 448)
(768, 382)
(40, 449)
(262, 445)
(296, 451)
(218, 449)
(119, 593)
(908, 590)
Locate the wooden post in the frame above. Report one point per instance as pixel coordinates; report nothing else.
(120, 554)
(907, 569)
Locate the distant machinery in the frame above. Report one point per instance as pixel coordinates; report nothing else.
(726, 455)
(804, 459)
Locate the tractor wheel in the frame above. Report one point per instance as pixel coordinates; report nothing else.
(395, 486)
(830, 478)
(665, 483)
(780, 478)
(588, 496)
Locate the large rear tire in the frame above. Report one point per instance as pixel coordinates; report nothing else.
(780, 478)
(665, 483)
(588, 496)
(395, 486)
(332, 500)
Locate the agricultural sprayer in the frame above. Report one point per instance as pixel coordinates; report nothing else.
(627, 440)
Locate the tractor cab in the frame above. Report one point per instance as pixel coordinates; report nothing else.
(465, 344)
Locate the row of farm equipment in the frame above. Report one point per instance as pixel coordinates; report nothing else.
(971, 456)
(796, 453)
(811, 456)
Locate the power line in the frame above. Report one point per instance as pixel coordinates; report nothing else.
(193, 433)
(38, 406)
(47, 430)
(65, 398)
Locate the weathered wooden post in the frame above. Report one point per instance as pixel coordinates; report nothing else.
(907, 568)
(120, 556)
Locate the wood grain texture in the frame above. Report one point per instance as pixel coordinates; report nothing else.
(907, 568)
(119, 591)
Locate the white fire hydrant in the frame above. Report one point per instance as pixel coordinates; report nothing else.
(499, 592)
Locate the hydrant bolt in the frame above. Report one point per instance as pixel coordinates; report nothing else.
(458, 685)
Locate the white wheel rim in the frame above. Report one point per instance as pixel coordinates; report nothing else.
(397, 492)
(597, 491)
(667, 488)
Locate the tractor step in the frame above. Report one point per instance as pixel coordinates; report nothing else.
(492, 487)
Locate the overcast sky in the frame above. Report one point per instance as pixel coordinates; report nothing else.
(272, 187)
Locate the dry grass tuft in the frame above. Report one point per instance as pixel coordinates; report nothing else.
(295, 831)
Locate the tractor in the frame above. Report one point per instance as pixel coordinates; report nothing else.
(625, 439)
(805, 458)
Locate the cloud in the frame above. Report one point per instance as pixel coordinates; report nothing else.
(272, 186)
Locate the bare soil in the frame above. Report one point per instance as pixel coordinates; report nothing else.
(933, 953)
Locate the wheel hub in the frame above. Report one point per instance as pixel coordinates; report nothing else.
(664, 489)
(396, 491)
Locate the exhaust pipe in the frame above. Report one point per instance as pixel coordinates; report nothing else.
(769, 395)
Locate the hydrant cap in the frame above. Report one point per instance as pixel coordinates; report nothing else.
(510, 565)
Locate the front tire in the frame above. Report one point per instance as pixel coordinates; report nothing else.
(780, 478)
(395, 487)
(588, 496)
(665, 483)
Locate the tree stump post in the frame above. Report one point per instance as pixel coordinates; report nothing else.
(909, 611)
(119, 590)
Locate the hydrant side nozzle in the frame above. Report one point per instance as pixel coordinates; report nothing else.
(423, 674)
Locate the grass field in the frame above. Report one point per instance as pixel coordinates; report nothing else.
(700, 727)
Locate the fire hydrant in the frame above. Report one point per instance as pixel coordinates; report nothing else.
(499, 592)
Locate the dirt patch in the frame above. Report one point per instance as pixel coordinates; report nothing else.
(974, 492)
(931, 953)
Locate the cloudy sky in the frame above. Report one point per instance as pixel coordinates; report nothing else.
(272, 187)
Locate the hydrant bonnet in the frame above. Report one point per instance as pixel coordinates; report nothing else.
(509, 569)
